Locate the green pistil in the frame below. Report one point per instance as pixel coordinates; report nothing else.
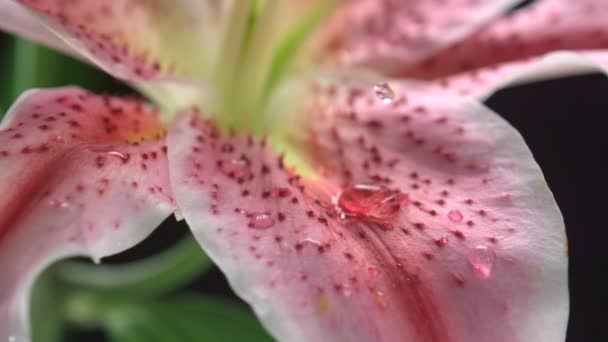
(256, 54)
(228, 61)
(294, 39)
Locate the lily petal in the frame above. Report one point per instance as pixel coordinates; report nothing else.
(15, 18)
(136, 40)
(471, 247)
(542, 27)
(77, 179)
(483, 82)
(390, 33)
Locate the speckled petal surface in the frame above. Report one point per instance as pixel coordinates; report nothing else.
(136, 39)
(545, 26)
(390, 33)
(469, 246)
(78, 179)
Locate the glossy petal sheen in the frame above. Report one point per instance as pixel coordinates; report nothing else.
(76, 180)
(540, 28)
(386, 34)
(138, 39)
(474, 250)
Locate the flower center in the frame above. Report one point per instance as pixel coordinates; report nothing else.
(260, 43)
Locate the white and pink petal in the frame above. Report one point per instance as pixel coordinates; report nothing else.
(545, 26)
(483, 82)
(464, 241)
(135, 40)
(390, 33)
(81, 175)
(16, 19)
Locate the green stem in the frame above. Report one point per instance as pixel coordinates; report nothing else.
(26, 62)
(254, 63)
(295, 38)
(149, 277)
(284, 54)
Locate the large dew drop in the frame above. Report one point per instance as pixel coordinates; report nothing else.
(261, 221)
(370, 201)
(455, 215)
(384, 92)
(482, 260)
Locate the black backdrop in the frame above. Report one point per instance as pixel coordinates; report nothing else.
(564, 123)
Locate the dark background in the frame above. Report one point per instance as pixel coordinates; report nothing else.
(564, 124)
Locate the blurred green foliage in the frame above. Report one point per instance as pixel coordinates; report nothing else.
(185, 318)
(27, 65)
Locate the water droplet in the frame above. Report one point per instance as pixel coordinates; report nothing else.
(123, 157)
(59, 204)
(236, 168)
(261, 221)
(379, 297)
(370, 201)
(373, 270)
(455, 215)
(312, 242)
(482, 260)
(384, 92)
(442, 241)
(505, 197)
(179, 215)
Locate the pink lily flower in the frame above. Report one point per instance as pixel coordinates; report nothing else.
(362, 193)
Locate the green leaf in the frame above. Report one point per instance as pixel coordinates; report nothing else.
(46, 310)
(192, 317)
(149, 277)
(25, 65)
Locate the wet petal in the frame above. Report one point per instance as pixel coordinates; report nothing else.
(540, 28)
(138, 40)
(483, 82)
(77, 179)
(424, 219)
(386, 34)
